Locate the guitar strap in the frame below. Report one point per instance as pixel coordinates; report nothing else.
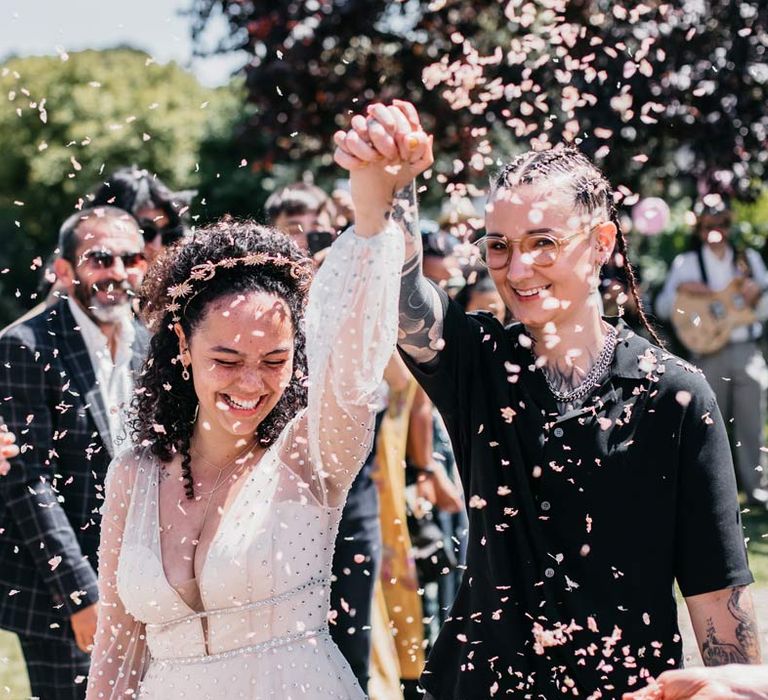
(702, 267)
(736, 258)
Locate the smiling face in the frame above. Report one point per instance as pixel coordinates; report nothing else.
(241, 361)
(107, 270)
(561, 293)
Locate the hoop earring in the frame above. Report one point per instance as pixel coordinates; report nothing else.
(185, 374)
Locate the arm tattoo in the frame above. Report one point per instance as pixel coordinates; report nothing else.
(746, 649)
(421, 311)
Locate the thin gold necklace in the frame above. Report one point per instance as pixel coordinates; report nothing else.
(238, 462)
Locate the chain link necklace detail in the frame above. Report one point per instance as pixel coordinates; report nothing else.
(593, 376)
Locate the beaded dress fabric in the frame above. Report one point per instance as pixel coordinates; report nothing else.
(254, 623)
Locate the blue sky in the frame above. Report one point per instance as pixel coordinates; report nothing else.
(40, 27)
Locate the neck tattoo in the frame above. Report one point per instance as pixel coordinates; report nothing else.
(564, 386)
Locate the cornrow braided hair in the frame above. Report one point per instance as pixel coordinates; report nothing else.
(592, 193)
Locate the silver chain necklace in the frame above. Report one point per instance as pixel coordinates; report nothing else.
(593, 376)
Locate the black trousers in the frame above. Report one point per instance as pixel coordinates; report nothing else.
(57, 670)
(356, 563)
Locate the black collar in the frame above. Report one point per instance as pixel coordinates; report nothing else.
(633, 352)
(631, 357)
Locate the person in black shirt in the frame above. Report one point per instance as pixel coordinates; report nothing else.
(595, 465)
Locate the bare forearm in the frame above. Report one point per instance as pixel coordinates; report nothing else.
(396, 374)
(420, 432)
(421, 311)
(726, 627)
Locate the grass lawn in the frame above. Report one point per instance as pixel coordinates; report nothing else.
(756, 529)
(13, 678)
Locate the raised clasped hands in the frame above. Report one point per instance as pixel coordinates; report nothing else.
(383, 150)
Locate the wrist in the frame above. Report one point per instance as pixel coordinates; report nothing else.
(370, 222)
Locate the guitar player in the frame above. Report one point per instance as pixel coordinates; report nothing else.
(737, 372)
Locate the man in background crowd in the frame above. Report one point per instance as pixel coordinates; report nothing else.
(67, 379)
(737, 372)
(305, 213)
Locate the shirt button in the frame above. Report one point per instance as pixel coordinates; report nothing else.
(545, 505)
(558, 432)
(549, 573)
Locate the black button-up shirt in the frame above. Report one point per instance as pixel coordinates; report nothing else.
(579, 522)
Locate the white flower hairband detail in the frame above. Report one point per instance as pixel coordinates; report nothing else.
(184, 292)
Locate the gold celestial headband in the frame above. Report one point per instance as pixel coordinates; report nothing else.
(184, 292)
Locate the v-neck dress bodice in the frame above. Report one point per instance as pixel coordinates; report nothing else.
(261, 629)
(264, 588)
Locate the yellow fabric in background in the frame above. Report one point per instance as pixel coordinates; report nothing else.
(397, 624)
(384, 680)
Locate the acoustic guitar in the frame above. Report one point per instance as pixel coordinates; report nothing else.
(704, 322)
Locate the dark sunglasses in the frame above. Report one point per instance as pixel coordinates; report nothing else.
(104, 259)
(713, 221)
(169, 235)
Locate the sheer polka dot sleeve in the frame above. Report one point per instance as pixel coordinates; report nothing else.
(119, 656)
(351, 324)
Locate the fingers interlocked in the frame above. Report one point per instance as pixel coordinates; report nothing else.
(392, 134)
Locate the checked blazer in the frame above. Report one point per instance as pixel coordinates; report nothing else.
(50, 499)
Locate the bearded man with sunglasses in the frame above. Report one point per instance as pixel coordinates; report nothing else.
(67, 375)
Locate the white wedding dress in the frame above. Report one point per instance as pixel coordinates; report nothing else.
(260, 628)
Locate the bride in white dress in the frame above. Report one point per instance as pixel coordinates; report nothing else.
(218, 525)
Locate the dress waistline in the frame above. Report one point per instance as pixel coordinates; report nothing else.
(254, 605)
(267, 645)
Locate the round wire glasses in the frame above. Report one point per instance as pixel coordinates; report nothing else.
(540, 249)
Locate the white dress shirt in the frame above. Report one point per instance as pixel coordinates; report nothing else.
(114, 377)
(720, 273)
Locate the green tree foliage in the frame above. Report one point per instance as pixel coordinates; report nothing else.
(228, 183)
(66, 122)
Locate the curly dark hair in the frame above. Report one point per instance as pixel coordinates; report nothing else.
(163, 397)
